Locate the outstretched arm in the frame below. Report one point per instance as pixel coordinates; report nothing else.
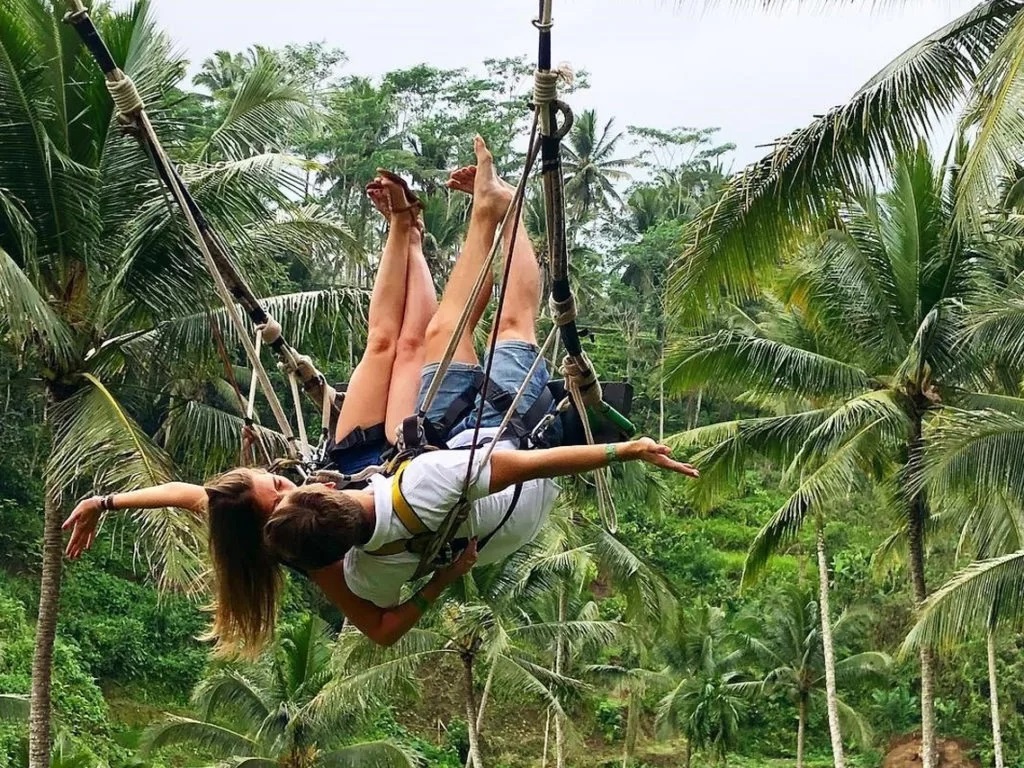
(86, 516)
(386, 626)
(511, 467)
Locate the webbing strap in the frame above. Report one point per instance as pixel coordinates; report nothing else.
(402, 507)
(405, 513)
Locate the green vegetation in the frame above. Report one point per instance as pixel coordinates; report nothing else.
(834, 335)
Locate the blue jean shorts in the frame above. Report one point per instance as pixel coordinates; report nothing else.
(512, 361)
(351, 461)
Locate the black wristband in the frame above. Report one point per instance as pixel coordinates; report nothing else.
(107, 502)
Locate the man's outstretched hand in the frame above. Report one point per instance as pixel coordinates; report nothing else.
(461, 565)
(646, 449)
(83, 521)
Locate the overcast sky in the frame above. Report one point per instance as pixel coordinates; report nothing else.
(652, 62)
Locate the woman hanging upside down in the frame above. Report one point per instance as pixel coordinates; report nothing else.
(353, 543)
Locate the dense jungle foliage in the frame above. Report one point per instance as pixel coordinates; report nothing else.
(834, 335)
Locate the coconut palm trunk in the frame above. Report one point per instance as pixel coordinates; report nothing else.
(563, 610)
(471, 709)
(829, 651)
(916, 554)
(801, 730)
(480, 709)
(993, 695)
(46, 632)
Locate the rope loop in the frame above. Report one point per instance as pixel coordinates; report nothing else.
(545, 83)
(270, 331)
(580, 378)
(126, 96)
(563, 312)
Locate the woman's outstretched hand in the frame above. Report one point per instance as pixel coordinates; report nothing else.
(646, 449)
(82, 521)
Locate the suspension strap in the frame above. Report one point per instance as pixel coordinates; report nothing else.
(228, 283)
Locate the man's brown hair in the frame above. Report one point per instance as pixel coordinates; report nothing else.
(313, 527)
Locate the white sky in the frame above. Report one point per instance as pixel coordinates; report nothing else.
(658, 63)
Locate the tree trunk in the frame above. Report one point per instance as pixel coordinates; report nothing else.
(547, 731)
(661, 397)
(696, 410)
(801, 729)
(634, 703)
(993, 695)
(918, 508)
(474, 744)
(688, 755)
(563, 609)
(480, 709)
(46, 632)
(828, 648)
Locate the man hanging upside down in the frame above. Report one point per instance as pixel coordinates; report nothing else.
(350, 542)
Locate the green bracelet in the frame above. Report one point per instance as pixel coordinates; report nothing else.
(609, 451)
(420, 602)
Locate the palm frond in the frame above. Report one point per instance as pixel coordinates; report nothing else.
(232, 691)
(27, 315)
(822, 488)
(739, 360)
(725, 449)
(976, 454)
(206, 736)
(773, 203)
(96, 437)
(994, 115)
(977, 597)
(264, 104)
(371, 754)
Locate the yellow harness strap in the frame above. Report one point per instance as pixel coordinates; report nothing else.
(406, 515)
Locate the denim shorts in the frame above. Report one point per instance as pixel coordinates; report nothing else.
(512, 361)
(349, 461)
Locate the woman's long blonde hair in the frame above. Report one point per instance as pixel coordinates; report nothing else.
(248, 575)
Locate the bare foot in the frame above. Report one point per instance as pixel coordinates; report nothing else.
(379, 197)
(389, 197)
(491, 195)
(462, 179)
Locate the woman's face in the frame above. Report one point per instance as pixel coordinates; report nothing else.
(268, 490)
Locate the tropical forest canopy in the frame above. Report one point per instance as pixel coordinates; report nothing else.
(834, 335)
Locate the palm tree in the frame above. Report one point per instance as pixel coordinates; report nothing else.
(270, 713)
(88, 256)
(591, 168)
(708, 689)
(973, 61)
(990, 516)
(497, 619)
(862, 352)
(221, 73)
(789, 641)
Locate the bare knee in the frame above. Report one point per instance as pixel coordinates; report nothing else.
(379, 344)
(409, 348)
(511, 327)
(439, 331)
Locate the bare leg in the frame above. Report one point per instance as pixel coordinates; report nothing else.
(491, 199)
(365, 400)
(420, 306)
(522, 294)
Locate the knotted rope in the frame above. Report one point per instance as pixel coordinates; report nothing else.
(584, 389)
